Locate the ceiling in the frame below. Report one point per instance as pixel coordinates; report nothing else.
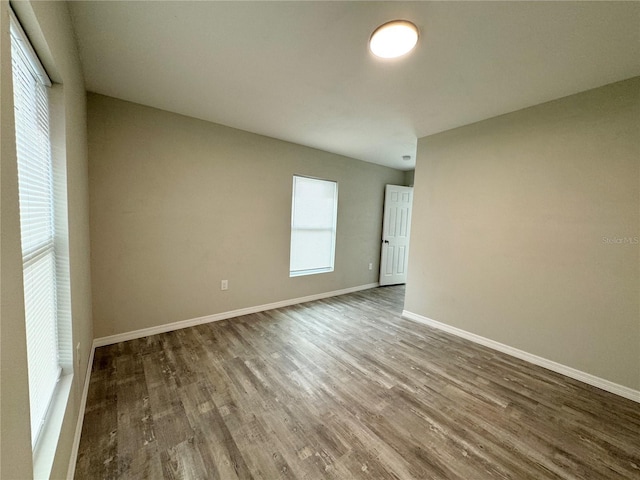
(302, 72)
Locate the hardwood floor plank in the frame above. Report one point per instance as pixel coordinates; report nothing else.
(343, 388)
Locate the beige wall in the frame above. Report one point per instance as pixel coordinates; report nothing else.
(15, 439)
(49, 27)
(409, 176)
(178, 204)
(509, 221)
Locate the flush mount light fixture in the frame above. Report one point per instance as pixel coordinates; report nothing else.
(393, 39)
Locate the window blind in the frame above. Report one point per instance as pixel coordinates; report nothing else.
(37, 227)
(313, 226)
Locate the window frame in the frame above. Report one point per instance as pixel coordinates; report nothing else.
(294, 228)
(51, 405)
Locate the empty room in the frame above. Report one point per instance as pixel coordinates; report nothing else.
(319, 240)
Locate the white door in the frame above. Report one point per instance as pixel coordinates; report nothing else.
(396, 227)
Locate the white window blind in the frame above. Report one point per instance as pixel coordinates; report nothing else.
(37, 226)
(313, 226)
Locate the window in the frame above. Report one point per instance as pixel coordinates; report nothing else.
(314, 213)
(37, 226)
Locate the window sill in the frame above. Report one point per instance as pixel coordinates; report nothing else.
(313, 271)
(45, 451)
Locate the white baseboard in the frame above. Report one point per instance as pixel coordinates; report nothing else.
(601, 383)
(169, 327)
(83, 403)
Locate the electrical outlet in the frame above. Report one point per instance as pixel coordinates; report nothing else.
(224, 285)
(371, 266)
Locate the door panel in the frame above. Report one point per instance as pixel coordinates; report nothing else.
(396, 229)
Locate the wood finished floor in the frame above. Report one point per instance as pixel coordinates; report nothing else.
(343, 388)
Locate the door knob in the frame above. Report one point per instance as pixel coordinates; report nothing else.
(386, 241)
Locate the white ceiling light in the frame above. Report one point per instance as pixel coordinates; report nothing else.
(393, 39)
